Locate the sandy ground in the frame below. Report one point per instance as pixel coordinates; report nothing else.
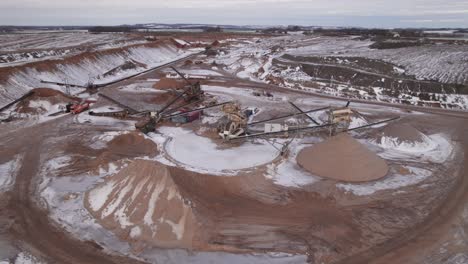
(342, 158)
(102, 193)
(142, 203)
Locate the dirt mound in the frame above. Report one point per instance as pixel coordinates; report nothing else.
(42, 100)
(126, 146)
(132, 144)
(251, 213)
(169, 83)
(401, 132)
(342, 158)
(143, 205)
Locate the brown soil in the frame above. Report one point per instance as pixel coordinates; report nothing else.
(162, 98)
(403, 132)
(169, 83)
(249, 213)
(144, 207)
(47, 92)
(342, 158)
(127, 146)
(44, 94)
(33, 229)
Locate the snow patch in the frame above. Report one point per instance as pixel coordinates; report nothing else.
(98, 196)
(135, 232)
(396, 181)
(203, 155)
(8, 172)
(58, 162)
(435, 148)
(26, 258)
(287, 172)
(357, 122)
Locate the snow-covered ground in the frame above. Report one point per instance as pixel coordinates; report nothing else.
(8, 172)
(99, 142)
(253, 60)
(13, 42)
(394, 181)
(431, 154)
(436, 148)
(23, 258)
(444, 63)
(20, 49)
(201, 154)
(85, 118)
(88, 70)
(287, 172)
(141, 87)
(64, 197)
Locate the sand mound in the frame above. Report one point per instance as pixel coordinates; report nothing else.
(132, 144)
(169, 83)
(125, 146)
(342, 158)
(142, 204)
(405, 138)
(402, 133)
(42, 101)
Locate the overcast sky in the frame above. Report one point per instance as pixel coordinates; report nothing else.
(366, 13)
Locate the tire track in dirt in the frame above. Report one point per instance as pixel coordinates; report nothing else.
(409, 245)
(404, 247)
(33, 227)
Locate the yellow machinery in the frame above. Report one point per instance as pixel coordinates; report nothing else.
(339, 118)
(235, 123)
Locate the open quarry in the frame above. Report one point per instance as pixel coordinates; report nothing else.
(308, 149)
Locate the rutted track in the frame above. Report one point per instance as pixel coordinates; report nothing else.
(33, 228)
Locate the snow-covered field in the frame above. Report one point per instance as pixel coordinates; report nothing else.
(200, 154)
(8, 172)
(23, 258)
(90, 70)
(254, 60)
(17, 49)
(435, 149)
(13, 42)
(64, 197)
(443, 63)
